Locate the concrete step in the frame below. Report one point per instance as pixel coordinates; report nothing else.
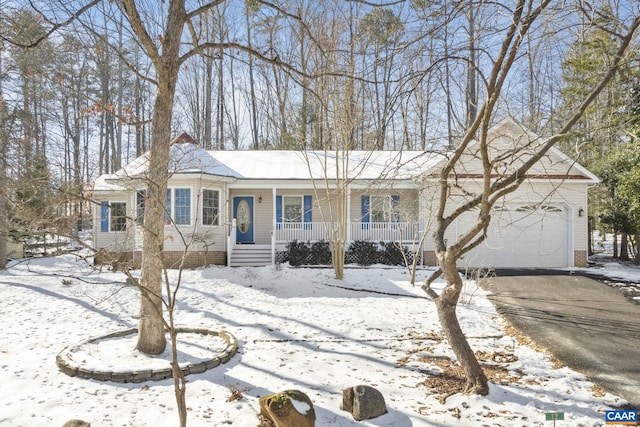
(250, 256)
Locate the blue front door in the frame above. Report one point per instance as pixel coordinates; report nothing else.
(243, 213)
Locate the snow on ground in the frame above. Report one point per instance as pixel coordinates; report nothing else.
(625, 276)
(297, 328)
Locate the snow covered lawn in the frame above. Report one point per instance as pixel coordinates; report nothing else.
(296, 328)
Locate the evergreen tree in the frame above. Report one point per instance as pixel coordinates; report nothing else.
(600, 138)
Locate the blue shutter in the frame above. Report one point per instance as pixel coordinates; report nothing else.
(307, 212)
(365, 208)
(395, 212)
(279, 211)
(104, 216)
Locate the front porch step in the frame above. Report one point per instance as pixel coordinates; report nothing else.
(250, 256)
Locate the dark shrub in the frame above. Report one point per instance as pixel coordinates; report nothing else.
(363, 252)
(392, 254)
(320, 253)
(298, 253)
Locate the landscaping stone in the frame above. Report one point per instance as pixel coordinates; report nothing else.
(76, 423)
(290, 408)
(138, 376)
(363, 402)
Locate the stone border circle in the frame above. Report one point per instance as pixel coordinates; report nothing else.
(140, 376)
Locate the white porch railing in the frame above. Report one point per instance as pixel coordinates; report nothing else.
(301, 231)
(384, 231)
(372, 231)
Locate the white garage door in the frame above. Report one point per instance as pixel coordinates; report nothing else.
(522, 236)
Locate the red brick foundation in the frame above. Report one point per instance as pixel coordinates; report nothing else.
(580, 258)
(429, 258)
(193, 259)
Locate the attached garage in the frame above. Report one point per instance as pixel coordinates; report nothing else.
(523, 236)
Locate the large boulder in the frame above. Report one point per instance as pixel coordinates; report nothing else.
(364, 402)
(290, 408)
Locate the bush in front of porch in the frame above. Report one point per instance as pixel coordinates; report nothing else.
(361, 252)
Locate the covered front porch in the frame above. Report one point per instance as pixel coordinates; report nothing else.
(242, 254)
(264, 221)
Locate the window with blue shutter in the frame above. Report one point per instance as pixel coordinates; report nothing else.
(104, 217)
(365, 210)
(395, 208)
(308, 212)
(279, 212)
(118, 216)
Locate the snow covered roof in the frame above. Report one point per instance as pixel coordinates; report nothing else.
(280, 165)
(188, 157)
(298, 165)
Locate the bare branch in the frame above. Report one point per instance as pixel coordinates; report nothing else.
(55, 25)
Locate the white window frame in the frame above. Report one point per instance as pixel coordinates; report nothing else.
(389, 212)
(218, 210)
(385, 210)
(301, 213)
(170, 213)
(111, 216)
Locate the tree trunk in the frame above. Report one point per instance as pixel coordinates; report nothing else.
(3, 227)
(624, 247)
(207, 142)
(4, 145)
(179, 381)
(446, 307)
(151, 333)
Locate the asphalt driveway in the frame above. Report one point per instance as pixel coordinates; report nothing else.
(588, 325)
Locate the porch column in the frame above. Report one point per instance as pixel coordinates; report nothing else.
(273, 227)
(421, 221)
(348, 215)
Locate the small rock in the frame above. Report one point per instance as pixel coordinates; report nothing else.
(76, 423)
(364, 402)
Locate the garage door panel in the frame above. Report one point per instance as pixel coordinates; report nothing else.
(521, 237)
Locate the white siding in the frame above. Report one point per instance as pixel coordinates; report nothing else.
(571, 196)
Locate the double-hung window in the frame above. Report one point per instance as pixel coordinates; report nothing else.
(113, 216)
(210, 207)
(294, 209)
(380, 208)
(178, 206)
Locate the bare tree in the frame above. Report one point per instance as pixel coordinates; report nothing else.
(167, 58)
(502, 173)
(4, 145)
(253, 107)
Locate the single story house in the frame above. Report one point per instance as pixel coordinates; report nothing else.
(244, 207)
